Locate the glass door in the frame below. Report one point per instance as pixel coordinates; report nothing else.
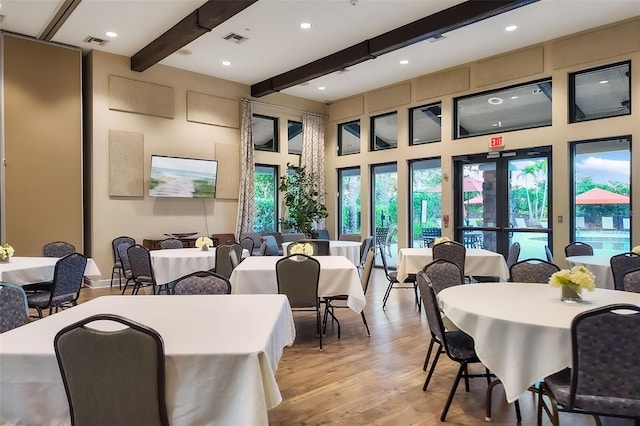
(502, 198)
(385, 211)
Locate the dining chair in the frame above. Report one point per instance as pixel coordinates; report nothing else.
(233, 258)
(620, 265)
(549, 254)
(457, 345)
(631, 280)
(330, 302)
(365, 247)
(63, 291)
(58, 249)
(171, 243)
(297, 277)
(126, 264)
(128, 365)
(142, 269)
(117, 262)
(514, 254)
(532, 271)
(392, 277)
(247, 244)
(578, 248)
(604, 377)
(202, 282)
(223, 264)
(452, 251)
(14, 311)
(255, 237)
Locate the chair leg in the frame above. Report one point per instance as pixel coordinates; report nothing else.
(466, 378)
(433, 367)
(426, 359)
(461, 370)
(364, 320)
(318, 326)
(113, 273)
(386, 294)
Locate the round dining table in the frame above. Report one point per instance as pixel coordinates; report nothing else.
(348, 249)
(521, 331)
(600, 266)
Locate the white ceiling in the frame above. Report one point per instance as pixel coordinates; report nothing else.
(277, 44)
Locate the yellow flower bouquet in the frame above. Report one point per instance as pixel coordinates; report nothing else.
(6, 251)
(636, 249)
(204, 243)
(299, 248)
(573, 281)
(440, 240)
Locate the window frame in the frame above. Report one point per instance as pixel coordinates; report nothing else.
(411, 123)
(275, 124)
(276, 172)
(340, 130)
(372, 131)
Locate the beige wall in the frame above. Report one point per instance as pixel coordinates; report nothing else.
(149, 217)
(540, 61)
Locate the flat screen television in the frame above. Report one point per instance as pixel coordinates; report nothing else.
(182, 177)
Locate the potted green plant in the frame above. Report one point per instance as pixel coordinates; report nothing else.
(301, 198)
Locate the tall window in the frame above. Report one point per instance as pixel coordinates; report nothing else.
(384, 131)
(602, 188)
(426, 203)
(385, 209)
(266, 198)
(349, 138)
(426, 124)
(349, 200)
(600, 92)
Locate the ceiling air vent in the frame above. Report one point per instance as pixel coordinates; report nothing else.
(95, 40)
(235, 38)
(435, 38)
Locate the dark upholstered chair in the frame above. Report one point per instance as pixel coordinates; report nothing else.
(126, 264)
(14, 311)
(298, 276)
(620, 265)
(117, 263)
(247, 244)
(452, 251)
(456, 344)
(127, 365)
(58, 249)
(578, 249)
(64, 290)
(631, 281)
(392, 277)
(223, 261)
(549, 254)
(365, 247)
(202, 282)
(171, 243)
(604, 378)
(514, 254)
(141, 268)
(532, 271)
(255, 237)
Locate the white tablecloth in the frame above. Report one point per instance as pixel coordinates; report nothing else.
(338, 275)
(221, 354)
(171, 264)
(29, 270)
(600, 267)
(478, 262)
(348, 249)
(522, 332)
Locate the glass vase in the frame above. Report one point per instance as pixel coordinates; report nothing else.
(570, 296)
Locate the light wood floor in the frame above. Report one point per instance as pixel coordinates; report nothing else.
(377, 380)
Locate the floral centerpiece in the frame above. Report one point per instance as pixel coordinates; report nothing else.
(204, 243)
(301, 248)
(573, 281)
(636, 249)
(440, 240)
(6, 251)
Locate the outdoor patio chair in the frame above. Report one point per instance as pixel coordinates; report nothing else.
(607, 223)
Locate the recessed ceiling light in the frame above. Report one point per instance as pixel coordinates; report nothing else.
(321, 88)
(305, 25)
(404, 62)
(514, 97)
(495, 101)
(603, 81)
(111, 34)
(226, 63)
(511, 28)
(184, 52)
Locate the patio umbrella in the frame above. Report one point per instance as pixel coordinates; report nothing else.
(475, 200)
(601, 196)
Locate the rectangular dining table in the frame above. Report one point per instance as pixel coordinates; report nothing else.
(28, 270)
(170, 264)
(338, 275)
(478, 262)
(221, 355)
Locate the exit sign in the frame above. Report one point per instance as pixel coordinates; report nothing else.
(496, 142)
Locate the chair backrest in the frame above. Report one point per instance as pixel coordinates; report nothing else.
(514, 254)
(580, 224)
(367, 267)
(323, 234)
(298, 277)
(605, 371)
(255, 237)
(620, 265)
(68, 275)
(233, 257)
(247, 244)
(300, 246)
(532, 271)
(381, 235)
(365, 247)
(269, 246)
(171, 243)
(202, 282)
(443, 274)
(223, 261)
(431, 308)
(549, 254)
(350, 237)
(140, 260)
(631, 280)
(127, 365)
(322, 246)
(607, 222)
(13, 307)
(124, 258)
(452, 251)
(385, 266)
(578, 249)
(114, 245)
(57, 249)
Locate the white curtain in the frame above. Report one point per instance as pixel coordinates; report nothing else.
(246, 208)
(312, 158)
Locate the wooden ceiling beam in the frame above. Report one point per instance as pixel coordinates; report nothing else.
(200, 21)
(439, 23)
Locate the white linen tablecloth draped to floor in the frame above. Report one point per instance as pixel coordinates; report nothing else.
(599, 265)
(29, 270)
(348, 249)
(221, 355)
(171, 264)
(478, 262)
(338, 275)
(522, 332)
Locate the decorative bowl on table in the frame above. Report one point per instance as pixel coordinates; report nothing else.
(181, 234)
